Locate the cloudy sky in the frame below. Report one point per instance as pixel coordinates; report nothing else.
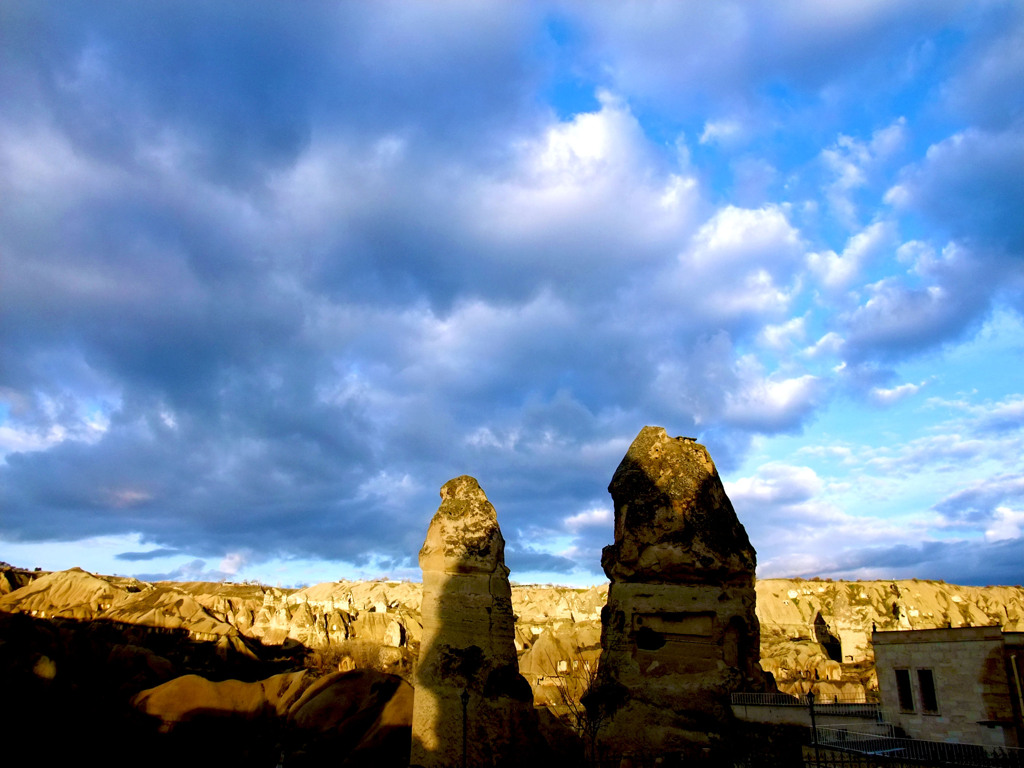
(272, 273)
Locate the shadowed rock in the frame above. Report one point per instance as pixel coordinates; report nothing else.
(352, 718)
(467, 677)
(679, 633)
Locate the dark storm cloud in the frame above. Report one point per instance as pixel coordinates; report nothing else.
(947, 295)
(957, 562)
(982, 90)
(901, 320)
(537, 562)
(194, 570)
(978, 502)
(187, 319)
(152, 554)
(727, 57)
(247, 85)
(972, 185)
(275, 273)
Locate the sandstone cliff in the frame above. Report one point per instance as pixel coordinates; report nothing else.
(812, 632)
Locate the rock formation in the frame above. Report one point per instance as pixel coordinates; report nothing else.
(470, 701)
(352, 718)
(554, 628)
(679, 632)
(12, 578)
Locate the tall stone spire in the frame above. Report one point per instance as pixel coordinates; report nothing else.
(469, 694)
(679, 633)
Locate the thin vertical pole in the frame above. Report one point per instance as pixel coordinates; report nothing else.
(814, 730)
(465, 705)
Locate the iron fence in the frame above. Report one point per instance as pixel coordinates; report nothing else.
(922, 752)
(842, 706)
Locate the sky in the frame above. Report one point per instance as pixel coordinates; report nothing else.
(272, 273)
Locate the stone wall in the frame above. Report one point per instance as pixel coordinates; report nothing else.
(973, 694)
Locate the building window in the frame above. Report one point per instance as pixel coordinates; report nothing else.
(926, 683)
(903, 690)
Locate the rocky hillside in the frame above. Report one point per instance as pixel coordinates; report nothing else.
(813, 633)
(818, 633)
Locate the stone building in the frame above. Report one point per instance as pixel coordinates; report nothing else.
(961, 684)
(679, 631)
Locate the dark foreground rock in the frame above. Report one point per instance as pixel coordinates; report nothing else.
(357, 718)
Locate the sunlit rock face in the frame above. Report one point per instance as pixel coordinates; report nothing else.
(467, 678)
(679, 633)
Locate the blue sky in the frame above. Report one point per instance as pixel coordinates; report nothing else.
(271, 274)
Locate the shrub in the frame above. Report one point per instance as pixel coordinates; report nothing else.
(358, 654)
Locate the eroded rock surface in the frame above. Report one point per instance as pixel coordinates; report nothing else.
(679, 631)
(468, 691)
(814, 633)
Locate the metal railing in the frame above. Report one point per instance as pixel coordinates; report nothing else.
(843, 706)
(925, 752)
(784, 699)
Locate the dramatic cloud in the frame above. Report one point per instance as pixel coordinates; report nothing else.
(972, 185)
(133, 557)
(273, 274)
(958, 562)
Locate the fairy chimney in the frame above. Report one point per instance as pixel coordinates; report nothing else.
(679, 633)
(469, 693)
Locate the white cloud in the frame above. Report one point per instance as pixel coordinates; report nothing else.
(724, 50)
(894, 394)
(741, 236)
(392, 487)
(593, 181)
(838, 271)
(742, 263)
(914, 456)
(724, 132)
(1006, 414)
(37, 424)
(16, 440)
(41, 164)
(788, 511)
(233, 562)
(1006, 524)
(784, 335)
(915, 252)
(708, 384)
(597, 517)
(485, 437)
(775, 483)
(829, 344)
(853, 163)
(898, 318)
(843, 453)
(480, 339)
(591, 143)
(772, 403)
